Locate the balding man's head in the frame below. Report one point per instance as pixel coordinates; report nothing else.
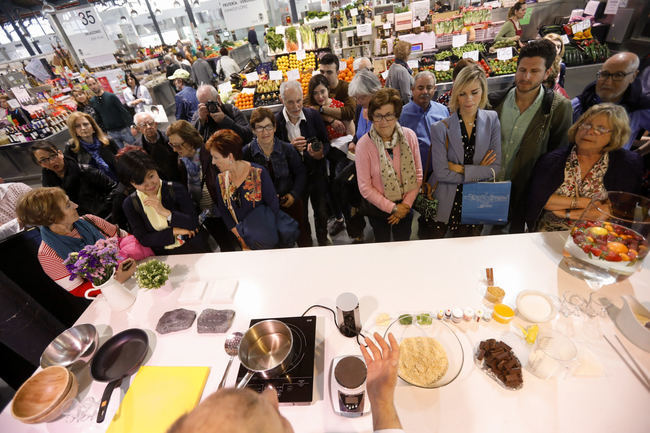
(235, 411)
(147, 126)
(616, 75)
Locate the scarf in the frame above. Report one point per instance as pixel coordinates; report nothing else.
(64, 245)
(98, 161)
(395, 187)
(193, 167)
(592, 184)
(403, 63)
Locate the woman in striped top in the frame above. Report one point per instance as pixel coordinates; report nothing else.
(63, 232)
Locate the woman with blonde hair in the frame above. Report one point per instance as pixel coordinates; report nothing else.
(90, 145)
(565, 180)
(465, 148)
(555, 79)
(82, 98)
(400, 75)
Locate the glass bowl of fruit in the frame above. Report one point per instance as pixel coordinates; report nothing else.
(610, 240)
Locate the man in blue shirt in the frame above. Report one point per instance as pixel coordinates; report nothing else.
(422, 112)
(419, 114)
(186, 102)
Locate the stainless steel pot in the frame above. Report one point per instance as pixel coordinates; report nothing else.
(266, 349)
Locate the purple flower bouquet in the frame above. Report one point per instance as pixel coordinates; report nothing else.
(94, 262)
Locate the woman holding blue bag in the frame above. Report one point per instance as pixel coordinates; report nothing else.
(465, 148)
(248, 201)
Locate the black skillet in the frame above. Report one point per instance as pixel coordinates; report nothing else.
(119, 357)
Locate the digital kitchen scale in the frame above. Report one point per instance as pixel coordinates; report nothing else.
(348, 386)
(296, 384)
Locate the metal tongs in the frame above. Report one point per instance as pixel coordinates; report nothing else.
(638, 372)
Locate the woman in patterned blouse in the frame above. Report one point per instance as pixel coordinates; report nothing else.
(565, 180)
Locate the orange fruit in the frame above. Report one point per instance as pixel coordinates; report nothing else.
(617, 247)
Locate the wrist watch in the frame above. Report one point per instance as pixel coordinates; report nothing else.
(394, 209)
(320, 109)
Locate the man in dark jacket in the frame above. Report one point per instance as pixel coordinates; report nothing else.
(115, 117)
(156, 144)
(305, 130)
(214, 115)
(534, 120)
(617, 84)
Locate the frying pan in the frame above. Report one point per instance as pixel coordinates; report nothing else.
(118, 358)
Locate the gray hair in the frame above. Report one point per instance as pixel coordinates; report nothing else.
(295, 85)
(168, 57)
(364, 83)
(357, 62)
(208, 88)
(140, 116)
(424, 74)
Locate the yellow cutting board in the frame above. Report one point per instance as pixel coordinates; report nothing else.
(157, 397)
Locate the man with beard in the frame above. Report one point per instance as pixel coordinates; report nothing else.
(534, 120)
(616, 83)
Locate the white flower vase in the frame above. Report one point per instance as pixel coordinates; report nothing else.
(117, 296)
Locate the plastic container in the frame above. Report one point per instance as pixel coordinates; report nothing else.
(503, 313)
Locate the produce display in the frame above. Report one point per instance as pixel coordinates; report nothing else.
(443, 55)
(443, 76)
(347, 73)
(285, 63)
(267, 92)
(593, 51)
(471, 46)
(308, 37)
(503, 44)
(291, 39)
(274, 41)
(500, 67)
(244, 101)
(485, 66)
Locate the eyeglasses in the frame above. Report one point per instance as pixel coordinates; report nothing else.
(386, 117)
(146, 124)
(598, 130)
(176, 145)
(49, 159)
(267, 128)
(617, 76)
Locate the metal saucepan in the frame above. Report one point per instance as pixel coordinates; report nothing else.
(119, 357)
(266, 349)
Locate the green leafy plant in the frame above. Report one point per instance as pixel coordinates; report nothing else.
(152, 274)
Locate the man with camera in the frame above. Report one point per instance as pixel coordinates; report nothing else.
(304, 128)
(214, 115)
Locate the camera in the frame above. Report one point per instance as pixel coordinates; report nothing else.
(212, 106)
(316, 144)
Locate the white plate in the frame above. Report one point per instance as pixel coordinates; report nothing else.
(537, 300)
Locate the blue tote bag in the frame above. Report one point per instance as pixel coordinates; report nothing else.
(486, 202)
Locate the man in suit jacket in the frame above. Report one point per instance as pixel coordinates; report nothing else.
(301, 127)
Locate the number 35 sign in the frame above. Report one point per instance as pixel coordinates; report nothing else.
(85, 31)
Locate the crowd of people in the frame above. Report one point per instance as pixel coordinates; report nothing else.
(355, 152)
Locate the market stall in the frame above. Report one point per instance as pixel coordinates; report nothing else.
(596, 392)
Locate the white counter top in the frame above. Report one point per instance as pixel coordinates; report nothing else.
(395, 278)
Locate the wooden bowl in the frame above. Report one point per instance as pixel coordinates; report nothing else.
(63, 405)
(41, 393)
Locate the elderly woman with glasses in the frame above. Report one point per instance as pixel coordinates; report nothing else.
(389, 169)
(283, 163)
(565, 180)
(201, 179)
